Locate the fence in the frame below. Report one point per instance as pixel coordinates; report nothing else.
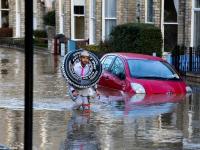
(12, 42)
(186, 59)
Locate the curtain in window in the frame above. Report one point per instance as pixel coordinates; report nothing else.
(197, 29)
(176, 5)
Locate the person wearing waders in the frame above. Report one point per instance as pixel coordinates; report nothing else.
(82, 96)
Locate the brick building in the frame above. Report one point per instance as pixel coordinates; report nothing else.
(12, 15)
(179, 20)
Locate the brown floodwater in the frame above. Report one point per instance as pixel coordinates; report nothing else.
(167, 122)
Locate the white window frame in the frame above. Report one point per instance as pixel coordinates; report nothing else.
(92, 35)
(146, 17)
(1, 13)
(192, 22)
(72, 20)
(104, 20)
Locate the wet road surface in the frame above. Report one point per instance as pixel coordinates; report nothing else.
(167, 122)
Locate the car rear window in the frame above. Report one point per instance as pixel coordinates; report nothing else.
(150, 69)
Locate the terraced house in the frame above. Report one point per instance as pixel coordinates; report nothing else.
(179, 20)
(12, 15)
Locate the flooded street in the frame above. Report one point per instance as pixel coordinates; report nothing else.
(167, 122)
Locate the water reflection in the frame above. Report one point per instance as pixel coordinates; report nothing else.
(117, 121)
(81, 133)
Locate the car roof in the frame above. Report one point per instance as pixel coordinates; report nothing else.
(136, 56)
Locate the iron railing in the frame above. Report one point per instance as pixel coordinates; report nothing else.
(186, 59)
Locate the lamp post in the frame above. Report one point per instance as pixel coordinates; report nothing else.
(28, 116)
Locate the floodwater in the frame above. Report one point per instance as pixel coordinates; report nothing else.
(167, 122)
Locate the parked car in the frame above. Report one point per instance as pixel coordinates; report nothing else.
(138, 73)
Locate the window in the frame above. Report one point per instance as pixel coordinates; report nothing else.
(4, 13)
(117, 67)
(149, 69)
(149, 11)
(109, 17)
(106, 62)
(171, 8)
(196, 32)
(79, 10)
(78, 19)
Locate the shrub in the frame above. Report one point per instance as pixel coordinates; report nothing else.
(99, 50)
(41, 42)
(6, 32)
(138, 38)
(40, 33)
(49, 18)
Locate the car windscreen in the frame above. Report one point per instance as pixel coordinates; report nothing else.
(151, 69)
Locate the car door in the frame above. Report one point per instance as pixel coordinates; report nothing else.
(106, 64)
(116, 77)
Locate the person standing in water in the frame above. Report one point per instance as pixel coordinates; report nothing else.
(82, 96)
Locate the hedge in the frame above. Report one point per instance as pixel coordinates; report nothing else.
(137, 38)
(40, 33)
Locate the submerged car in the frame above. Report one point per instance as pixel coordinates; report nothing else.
(138, 73)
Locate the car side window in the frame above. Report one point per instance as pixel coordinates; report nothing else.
(107, 62)
(117, 67)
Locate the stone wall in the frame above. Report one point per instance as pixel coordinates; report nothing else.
(157, 12)
(98, 20)
(188, 14)
(11, 14)
(184, 23)
(126, 11)
(39, 15)
(67, 18)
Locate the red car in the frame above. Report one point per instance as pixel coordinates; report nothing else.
(137, 73)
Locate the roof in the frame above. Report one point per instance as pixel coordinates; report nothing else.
(137, 56)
